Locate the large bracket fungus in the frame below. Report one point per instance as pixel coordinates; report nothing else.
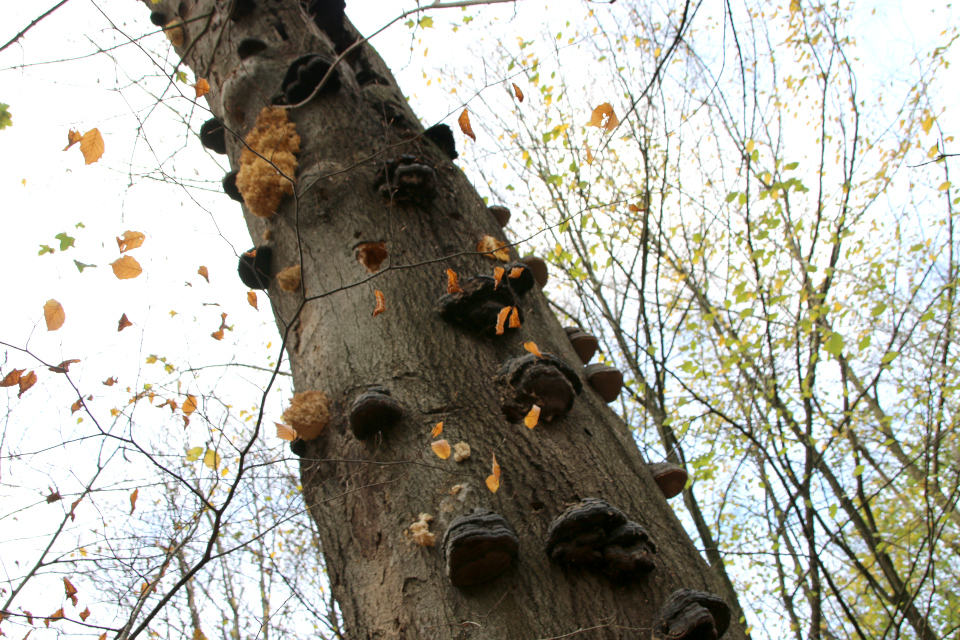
(539, 267)
(373, 411)
(543, 380)
(404, 180)
(213, 136)
(583, 343)
(597, 536)
(230, 186)
(255, 268)
(304, 74)
(479, 547)
(605, 380)
(500, 214)
(478, 304)
(442, 136)
(692, 615)
(669, 477)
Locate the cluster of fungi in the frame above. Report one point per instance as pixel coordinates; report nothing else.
(478, 546)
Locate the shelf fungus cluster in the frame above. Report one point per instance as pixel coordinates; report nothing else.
(692, 615)
(406, 180)
(596, 536)
(478, 304)
(479, 547)
(543, 380)
(304, 75)
(374, 411)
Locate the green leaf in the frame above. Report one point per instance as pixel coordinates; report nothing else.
(45, 249)
(835, 345)
(80, 225)
(864, 343)
(426, 22)
(409, 24)
(859, 470)
(927, 316)
(194, 454)
(181, 76)
(81, 266)
(791, 166)
(65, 241)
(732, 196)
(878, 309)
(212, 459)
(5, 119)
(833, 511)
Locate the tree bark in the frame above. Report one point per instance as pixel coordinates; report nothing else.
(364, 495)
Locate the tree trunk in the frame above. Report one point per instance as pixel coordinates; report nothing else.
(365, 494)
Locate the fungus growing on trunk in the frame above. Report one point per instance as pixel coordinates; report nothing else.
(250, 47)
(544, 380)
(230, 186)
(420, 531)
(213, 136)
(479, 546)
(372, 254)
(404, 180)
(289, 278)
(373, 411)
(628, 553)
(255, 269)
(539, 268)
(478, 304)
(268, 162)
(692, 615)
(583, 343)
(519, 276)
(605, 380)
(304, 74)
(308, 413)
(442, 136)
(500, 214)
(299, 447)
(158, 18)
(669, 477)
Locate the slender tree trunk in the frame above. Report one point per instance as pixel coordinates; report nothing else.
(364, 495)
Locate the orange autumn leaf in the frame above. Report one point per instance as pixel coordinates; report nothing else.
(11, 378)
(190, 404)
(63, 367)
(54, 314)
(68, 588)
(532, 348)
(604, 117)
(126, 268)
(252, 299)
(493, 481)
(502, 319)
(76, 406)
(206, 274)
(103, 636)
(453, 286)
(109, 382)
(217, 335)
(515, 273)
(85, 614)
(589, 153)
(498, 276)
(492, 248)
(381, 303)
(202, 87)
(441, 448)
(437, 430)
(130, 240)
(91, 146)
(133, 500)
(517, 92)
(56, 615)
(533, 417)
(124, 323)
(514, 319)
(174, 32)
(73, 137)
(464, 122)
(26, 382)
(286, 432)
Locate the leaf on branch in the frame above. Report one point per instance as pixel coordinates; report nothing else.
(71, 591)
(198, 634)
(76, 406)
(437, 430)
(517, 92)
(73, 137)
(286, 432)
(586, 148)
(11, 378)
(130, 240)
(464, 122)
(252, 299)
(515, 273)
(492, 248)
(493, 480)
(190, 404)
(65, 241)
(91, 146)
(194, 454)
(54, 315)
(202, 87)
(381, 303)
(604, 117)
(133, 500)
(217, 335)
(206, 274)
(441, 448)
(56, 615)
(26, 382)
(54, 496)
(211, 459)
(453, 286)
(174, 32)
(124, 323)
(533, 417)
(81, 265)
(126, 268)
(63, 367)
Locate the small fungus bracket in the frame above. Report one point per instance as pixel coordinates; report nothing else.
(596, 536)
(373, 411)
(304, 74)
(583, 343)
(255, 268)
(478, 304)
(403, 179)
(669, 477)
(213, 136)
(545, 380)
(479, 546)
(605, 380)
(539, 267)
(299, 447)
(500, 214)
(230, 186)
(692, 615)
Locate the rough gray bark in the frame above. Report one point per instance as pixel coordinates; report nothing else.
(364, 495)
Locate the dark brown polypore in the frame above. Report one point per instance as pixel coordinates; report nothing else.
(373, 411)
(628, 554)
(544, 380)
(304, 75)
(539, 267)
(500, 214)
(479, 547)
(692, 615)
(669, 477)
(605, 380)
(577, 537)
(583, 343)
(478, 304)
(405, 180)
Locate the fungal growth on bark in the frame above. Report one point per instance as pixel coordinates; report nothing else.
(158, 18)
(328, 15)
(405, 180)
(303, 76)
(255, 268)
(583, 343)
(268, 162)
(479, 303)
(539, 268)
(605, 380)
(420, 531)
(442, 136)
(479, 546)
(500, 214)
(596, 536)
(692, 615)
(372, 255)
(213, 136)
(230, 186)
(308, 414)
(519, 277)
(373, 411)
(298, 447)
(249, 47)
(544, 380)
(289, 278)
(669, 477)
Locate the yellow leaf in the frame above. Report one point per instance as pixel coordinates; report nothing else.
(532, 348)
(54, 314)
(464, 122)
(750, 146)
(381, 303)
(91, 146)
(73, 137)
(126, 268)
(130, 240)
(202, 87)
(285, 432)
(198, 634)
(656, 52)
(190, 404)
(604, 117)
(252, 299)
(133, 500)
(944, 186)
(492, 248)
(437, 430)
(206, 274)
(212, 459)
(453, 286)
(518, 93)
(533, 417)
(927, 123)
(441, 448)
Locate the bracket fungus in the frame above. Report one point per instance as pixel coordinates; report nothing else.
(308, 413)
(158, 18)
(500, 214)
(539, 267)
(583, 343)
(519, 276)
(230, 186)
(249, 47)
(373, 411)
(404, 180)
(480, 301)
(298, 447)
(442, 136)
(479, 546)
(597, 536)
(605, 380)
(255, 269)
(669, 477)
(543, 380)
(692, 615)
(304, 74)
(213, 136)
